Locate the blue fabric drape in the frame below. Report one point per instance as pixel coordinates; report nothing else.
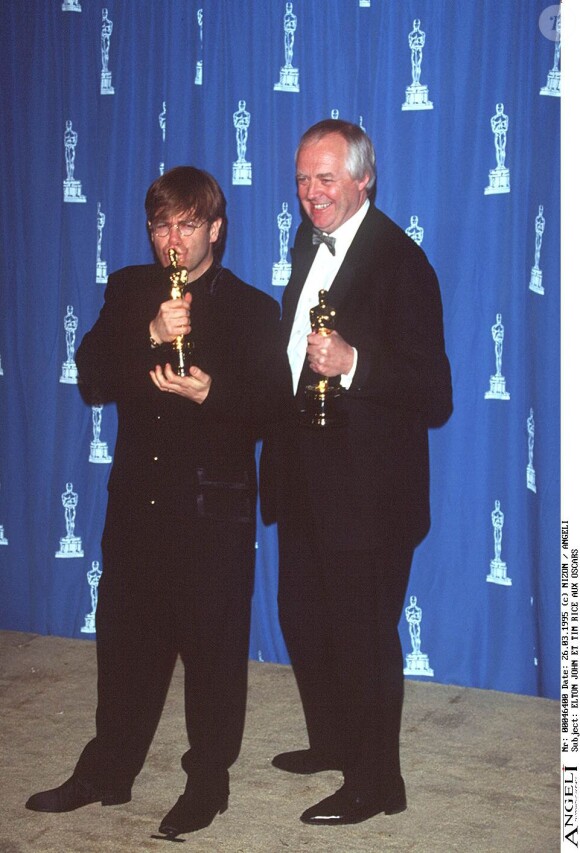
(161, 89)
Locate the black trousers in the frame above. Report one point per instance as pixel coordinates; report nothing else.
(339, 612)
(172, 584)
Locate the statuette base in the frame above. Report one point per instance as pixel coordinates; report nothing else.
(417, 98)
(69, 373)
(99, 452)
(418, 664)
(552, 86)
(536, 281)
(281, 274)
(321, 411)
(498, 573)
(497, 389)
(73, 191)
(70, 546)
(499, 182)
(242, 174)
(288, 80)
(106, 83)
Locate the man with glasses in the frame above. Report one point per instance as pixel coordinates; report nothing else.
(179, 537)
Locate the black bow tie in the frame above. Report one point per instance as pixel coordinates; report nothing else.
(319, 237)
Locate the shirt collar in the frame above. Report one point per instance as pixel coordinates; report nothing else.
(208, 279)
(344, 234)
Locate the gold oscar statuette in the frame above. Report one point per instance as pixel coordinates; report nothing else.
(182, 348)
(320, 400)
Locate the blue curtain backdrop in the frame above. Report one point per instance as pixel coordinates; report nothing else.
(98, 100)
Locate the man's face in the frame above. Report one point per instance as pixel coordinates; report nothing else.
(194, 252)
(327, 192)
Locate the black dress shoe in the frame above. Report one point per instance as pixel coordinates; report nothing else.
(304, 761)
(346, 806)
(73, 794)
(196, 808)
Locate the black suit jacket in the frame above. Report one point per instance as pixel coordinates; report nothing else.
(370, 478)
(168, 447)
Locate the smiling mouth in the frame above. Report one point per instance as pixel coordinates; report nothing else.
(321, 206)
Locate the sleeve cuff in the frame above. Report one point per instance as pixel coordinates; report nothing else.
(346, 378)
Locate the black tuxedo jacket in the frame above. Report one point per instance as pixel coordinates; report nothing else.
(370, 477)
(169, 447)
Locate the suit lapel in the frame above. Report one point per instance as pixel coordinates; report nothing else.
(302, 257)
(357, 257)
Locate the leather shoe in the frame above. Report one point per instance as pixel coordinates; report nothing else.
(73, 794)
(344, 807)
(195, 809)
(304, 761)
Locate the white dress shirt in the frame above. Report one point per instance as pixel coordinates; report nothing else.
(322, 273)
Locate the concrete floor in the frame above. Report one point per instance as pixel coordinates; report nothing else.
(482, 768)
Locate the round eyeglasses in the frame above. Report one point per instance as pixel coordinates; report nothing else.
(163, 229)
